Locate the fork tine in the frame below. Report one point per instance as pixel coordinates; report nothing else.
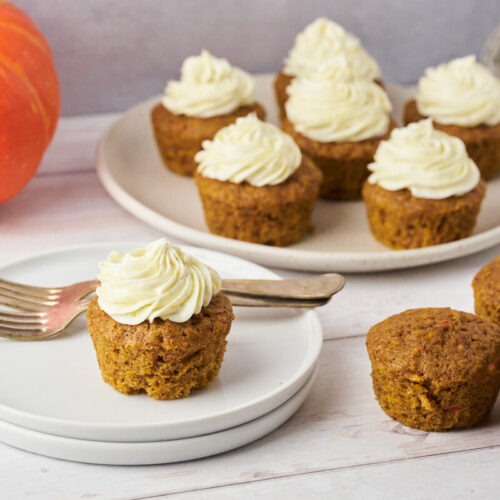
(11, 333)
(12, 325)
(41, 289)
(24, 304)
(47, 301)
(22, 317)
(28, 290)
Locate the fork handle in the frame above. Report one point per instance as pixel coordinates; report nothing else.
(316, 287)
(249, 301)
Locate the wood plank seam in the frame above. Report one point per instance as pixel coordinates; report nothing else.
(309, 472)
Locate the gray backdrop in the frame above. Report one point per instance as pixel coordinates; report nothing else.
(113, 53)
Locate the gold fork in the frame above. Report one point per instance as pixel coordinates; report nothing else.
(45, 312)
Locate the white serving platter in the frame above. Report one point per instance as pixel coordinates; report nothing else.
(132, 172)
(55, 386)
(153, 452)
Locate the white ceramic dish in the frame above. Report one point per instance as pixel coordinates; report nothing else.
(131, 170)
(152, 452)
(55, 386)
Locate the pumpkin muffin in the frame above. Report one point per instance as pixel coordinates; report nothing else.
(255, 185)
(486, 286)
(338, 122)
(463, 100)
(319, 43)
(149, 332)
(423, 190)
(210, 95)
(435, 369)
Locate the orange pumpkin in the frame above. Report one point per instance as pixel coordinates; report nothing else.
(29, 99)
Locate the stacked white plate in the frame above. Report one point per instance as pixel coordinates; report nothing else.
(54, 402)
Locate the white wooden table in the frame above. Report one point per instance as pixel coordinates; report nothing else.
(339, 445)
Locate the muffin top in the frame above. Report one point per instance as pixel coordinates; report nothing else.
(427, 162)
(487, 282)
(250, 151)
(435, 344)
(331, 105)
(323, 40)
(157, 281)
(208, 87)
(462, 92)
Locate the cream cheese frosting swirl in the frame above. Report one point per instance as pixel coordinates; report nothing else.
(428, 162)
(157, 281)
(251, 151)
(208, 87)
(462, 92)
(322, 40)
(330, 105)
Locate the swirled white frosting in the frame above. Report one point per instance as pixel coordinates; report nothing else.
(157, 281)
(330, 105)
(323, 40)
(428, 162)
(208, 87)
(249, 150)
(461, 92)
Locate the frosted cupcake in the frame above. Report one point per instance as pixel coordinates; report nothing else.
(320, 42)
(210, 95)
(463, 99)
(255, 185)
(159, 322)
(338, 121)
(424, 189)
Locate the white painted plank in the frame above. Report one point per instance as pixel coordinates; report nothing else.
(370, 298)
(74, 144)
(460, 476)
(339, 426)
(65, 209)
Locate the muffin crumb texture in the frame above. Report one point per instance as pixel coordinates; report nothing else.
(166, 360)
(400, 220)
(271, 215)
(281, 82)
(486, 286)
(435, 369)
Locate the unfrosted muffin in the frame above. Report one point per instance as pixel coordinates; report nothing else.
(255, 185)
(486, 286)
(159, 322)
(319, 43)
(338, 122)
(435, 369)
(210, 95)
(423, 190)
(463, 99)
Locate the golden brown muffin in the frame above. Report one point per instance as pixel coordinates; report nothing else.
(272, 215)
(435, 369)
(179, 137)
(343, 164)
(482, 142)
(400, 220)
(486, 286)
(166, 360)
(281, 82)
